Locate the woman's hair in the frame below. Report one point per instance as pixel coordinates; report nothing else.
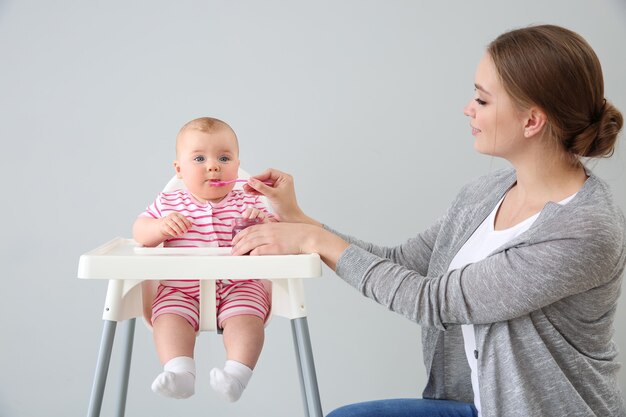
(556, 69)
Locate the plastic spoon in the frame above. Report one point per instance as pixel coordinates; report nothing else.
(223, 183)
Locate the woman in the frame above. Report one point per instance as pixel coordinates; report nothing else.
(516, 285)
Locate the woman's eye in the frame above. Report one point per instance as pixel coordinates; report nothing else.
(478, 100)
(199, 159)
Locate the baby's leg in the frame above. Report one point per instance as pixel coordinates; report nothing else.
(175, 338)
(243, 340)
(175, 322)
(243, 307)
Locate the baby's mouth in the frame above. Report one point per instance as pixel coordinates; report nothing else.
(216, 182)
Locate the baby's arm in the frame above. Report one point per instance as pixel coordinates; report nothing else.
(152, 232)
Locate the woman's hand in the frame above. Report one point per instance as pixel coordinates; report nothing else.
(281, 195)
(289, 238)
(295, 234)
(273, 239)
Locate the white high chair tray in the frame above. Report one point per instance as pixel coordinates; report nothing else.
(125, 259)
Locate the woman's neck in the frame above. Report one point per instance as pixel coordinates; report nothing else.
(547, 175)
(539, 180)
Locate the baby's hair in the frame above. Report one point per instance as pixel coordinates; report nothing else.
(208, 125)
(556, 69)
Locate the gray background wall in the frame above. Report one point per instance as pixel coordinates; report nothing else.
(369, 93)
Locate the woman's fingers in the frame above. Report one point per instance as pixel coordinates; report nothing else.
(267, 190)
(257, 183)
(272, 175)
(267, 239)
(248, 240)
(281, 194)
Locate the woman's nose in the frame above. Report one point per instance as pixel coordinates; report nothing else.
(468, 110)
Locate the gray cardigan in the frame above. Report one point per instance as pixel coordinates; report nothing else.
(542, 305)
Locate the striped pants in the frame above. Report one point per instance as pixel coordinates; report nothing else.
(233, 298)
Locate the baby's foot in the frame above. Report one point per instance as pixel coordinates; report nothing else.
(231, 381)
(177, 380)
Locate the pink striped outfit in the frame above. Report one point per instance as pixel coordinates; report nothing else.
(211, 227)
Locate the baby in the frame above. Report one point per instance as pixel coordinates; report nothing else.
(207, 152)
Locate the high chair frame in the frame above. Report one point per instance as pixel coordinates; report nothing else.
(131, 270)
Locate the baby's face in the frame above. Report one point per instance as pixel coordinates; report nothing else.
(205, 157)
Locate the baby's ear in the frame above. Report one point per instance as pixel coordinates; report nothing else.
(177, 169)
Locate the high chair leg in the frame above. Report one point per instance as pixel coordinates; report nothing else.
(102, 368)
(129, 336)
(306, 367)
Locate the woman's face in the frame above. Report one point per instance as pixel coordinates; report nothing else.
(497, 124)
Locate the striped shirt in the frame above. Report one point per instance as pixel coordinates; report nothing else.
(211, 223)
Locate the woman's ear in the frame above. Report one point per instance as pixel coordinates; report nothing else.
(535, 121)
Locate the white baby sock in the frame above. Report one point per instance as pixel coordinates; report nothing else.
(231, 381)
(178, 378)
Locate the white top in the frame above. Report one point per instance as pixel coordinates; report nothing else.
(480, 245)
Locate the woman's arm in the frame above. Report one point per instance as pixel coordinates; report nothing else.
(289, 238)
(414, 254)
(508, 284)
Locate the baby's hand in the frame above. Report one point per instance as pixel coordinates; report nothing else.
(253, 213)
(174, 224)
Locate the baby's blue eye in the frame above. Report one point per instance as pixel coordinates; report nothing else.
(224, 159)
(199, 158)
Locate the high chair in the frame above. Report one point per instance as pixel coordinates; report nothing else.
(133, 271)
